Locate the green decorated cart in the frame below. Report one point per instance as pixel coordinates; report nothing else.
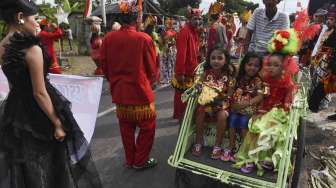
(290, 164)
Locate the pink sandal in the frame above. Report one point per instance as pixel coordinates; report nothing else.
(228, 156)
(247, 168)
(197, 150)
(216, 153)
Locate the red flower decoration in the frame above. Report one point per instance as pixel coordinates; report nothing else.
(284, 34)
(278, 46)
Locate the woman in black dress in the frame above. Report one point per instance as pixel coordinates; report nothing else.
(41, 145)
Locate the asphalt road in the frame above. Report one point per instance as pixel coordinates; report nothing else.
(108, 151)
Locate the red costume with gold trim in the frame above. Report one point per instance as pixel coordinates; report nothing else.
(217, 89)
(280, 93)
(187, 45)
(128, 60)
(47, 39)
(246, 90)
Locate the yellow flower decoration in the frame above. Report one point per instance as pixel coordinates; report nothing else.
(207, 95)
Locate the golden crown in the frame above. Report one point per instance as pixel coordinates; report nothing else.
(216, 8)
(246, 15)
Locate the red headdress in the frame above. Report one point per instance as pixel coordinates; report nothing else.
(150, 20)
(193, 12)
(169, 22)
(288, 42)
(44, 21)
(216, 8)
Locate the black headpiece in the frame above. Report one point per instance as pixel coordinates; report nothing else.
(27, 7)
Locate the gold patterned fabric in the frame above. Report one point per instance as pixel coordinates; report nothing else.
(216, 91)
(188, 83)
(136, 112)
(323, 54)
(246, 90)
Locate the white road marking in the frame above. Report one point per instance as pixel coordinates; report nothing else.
(101, 114)
(112, 109)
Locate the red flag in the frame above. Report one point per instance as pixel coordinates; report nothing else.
(88, 8)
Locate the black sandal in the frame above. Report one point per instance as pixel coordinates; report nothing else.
(150, 163)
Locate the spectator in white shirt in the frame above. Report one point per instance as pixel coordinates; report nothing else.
(262, 25)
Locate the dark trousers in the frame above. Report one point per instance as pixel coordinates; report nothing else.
(317, 95)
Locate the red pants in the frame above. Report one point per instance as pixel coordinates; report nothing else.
(54, 67)
(137, 152)
(55, 70)
(179, 106)
(99, 71)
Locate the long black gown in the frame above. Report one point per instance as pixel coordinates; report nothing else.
(30, 157)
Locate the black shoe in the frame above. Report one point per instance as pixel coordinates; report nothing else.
(150, 163)
(332, 117)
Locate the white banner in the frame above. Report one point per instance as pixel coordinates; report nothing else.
(83, 92)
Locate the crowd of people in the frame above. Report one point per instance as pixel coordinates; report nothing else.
(41, 144)
(245, 101)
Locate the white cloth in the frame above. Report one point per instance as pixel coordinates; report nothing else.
(317, 45)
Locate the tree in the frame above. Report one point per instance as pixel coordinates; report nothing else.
(238, 6)
(178, 6)
(71, 5)
(48, 11)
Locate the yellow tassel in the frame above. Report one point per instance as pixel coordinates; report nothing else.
(188, 83)
(136, 112)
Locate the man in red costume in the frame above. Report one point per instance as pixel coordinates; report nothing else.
(187, 45)
(128, 60)
(47, 39)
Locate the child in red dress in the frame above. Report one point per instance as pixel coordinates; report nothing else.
(248, 94)
(217, 84)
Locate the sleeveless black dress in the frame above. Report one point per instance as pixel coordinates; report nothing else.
(30, 157)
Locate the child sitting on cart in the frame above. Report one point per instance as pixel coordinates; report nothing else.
(248, 94)
(263, 144)
(216, 88)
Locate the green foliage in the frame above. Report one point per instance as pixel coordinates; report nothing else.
(71, 5)
(182, 11)
(2, 29)
(238, 6)
(48, 11)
